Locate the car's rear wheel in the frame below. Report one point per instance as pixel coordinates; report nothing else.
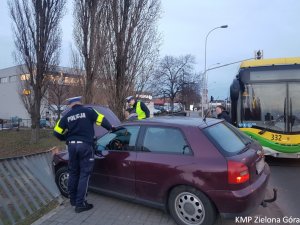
(61, 179)
(189, 206)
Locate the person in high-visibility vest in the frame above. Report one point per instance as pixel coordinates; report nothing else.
(138, 107)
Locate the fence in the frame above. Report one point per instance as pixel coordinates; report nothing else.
(6, 124)
(26, 185)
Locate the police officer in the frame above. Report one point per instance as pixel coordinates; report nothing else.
(138, 107)
(76, 127)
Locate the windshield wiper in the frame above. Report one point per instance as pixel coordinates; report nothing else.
(206, 114)
(272, 123)
(248, 142)
(246, 145)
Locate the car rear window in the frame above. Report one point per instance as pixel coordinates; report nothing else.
(226, 138)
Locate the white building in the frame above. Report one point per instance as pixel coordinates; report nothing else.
(11, 104)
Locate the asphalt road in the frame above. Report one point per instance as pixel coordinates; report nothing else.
(285, 176)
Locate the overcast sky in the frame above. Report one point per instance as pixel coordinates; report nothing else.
(270, 25)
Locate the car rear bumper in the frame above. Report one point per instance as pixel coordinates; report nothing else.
(243, 201)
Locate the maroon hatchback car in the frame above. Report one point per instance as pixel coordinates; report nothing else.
(194, 169)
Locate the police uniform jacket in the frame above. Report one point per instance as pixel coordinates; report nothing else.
(78, 124)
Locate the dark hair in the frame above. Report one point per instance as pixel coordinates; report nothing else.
(221, 107)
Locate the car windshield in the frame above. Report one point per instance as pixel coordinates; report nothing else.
(227, 138)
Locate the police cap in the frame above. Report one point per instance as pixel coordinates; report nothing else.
(129, 98)
(73, 99)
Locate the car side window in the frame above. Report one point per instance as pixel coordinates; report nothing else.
(167, 140)
(121, 139)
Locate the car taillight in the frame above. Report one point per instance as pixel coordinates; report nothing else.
(238, 172)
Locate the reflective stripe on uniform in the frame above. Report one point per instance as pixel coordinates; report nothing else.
(141, 114)
(57, 128)
(99, 118)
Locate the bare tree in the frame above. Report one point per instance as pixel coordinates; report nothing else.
(58, 92)
(37, 40)
(90, 38)
(190, 92)
(132, 48)
(171, 73)
(143, 79)
(78, 70)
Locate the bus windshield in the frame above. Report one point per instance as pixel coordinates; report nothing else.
(271, 105)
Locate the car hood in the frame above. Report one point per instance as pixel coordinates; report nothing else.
(109, 115)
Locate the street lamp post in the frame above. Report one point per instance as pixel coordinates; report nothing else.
(204, 91)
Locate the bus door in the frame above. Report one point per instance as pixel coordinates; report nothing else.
(294, 107)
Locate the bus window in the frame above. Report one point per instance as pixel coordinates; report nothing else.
(263, 104)
(251, 103)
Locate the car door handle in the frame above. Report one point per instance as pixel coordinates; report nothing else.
(101, 154)
(126, 163)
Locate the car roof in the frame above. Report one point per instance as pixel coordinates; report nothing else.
(178, 121)
(109, 115)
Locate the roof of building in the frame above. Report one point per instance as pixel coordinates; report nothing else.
(21, 69)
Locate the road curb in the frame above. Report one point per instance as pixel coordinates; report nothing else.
(47, 216)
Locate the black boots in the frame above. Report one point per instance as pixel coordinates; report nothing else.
(84, 207)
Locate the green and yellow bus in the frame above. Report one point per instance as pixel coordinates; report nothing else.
(265, 104)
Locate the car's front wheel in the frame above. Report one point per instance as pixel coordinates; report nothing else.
(189, 206)
(61, 179)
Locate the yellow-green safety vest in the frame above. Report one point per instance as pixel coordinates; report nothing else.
(140, 113)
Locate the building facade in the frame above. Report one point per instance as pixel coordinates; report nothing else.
(11, 90)
(11, 104)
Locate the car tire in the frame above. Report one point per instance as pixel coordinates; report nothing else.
(189, 206)
(61, 179)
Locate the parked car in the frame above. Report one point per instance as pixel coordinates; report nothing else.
(156, 111)
(160, 108)
(44, 123)
(193, 169)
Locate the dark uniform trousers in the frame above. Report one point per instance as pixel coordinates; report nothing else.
(81, 162)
